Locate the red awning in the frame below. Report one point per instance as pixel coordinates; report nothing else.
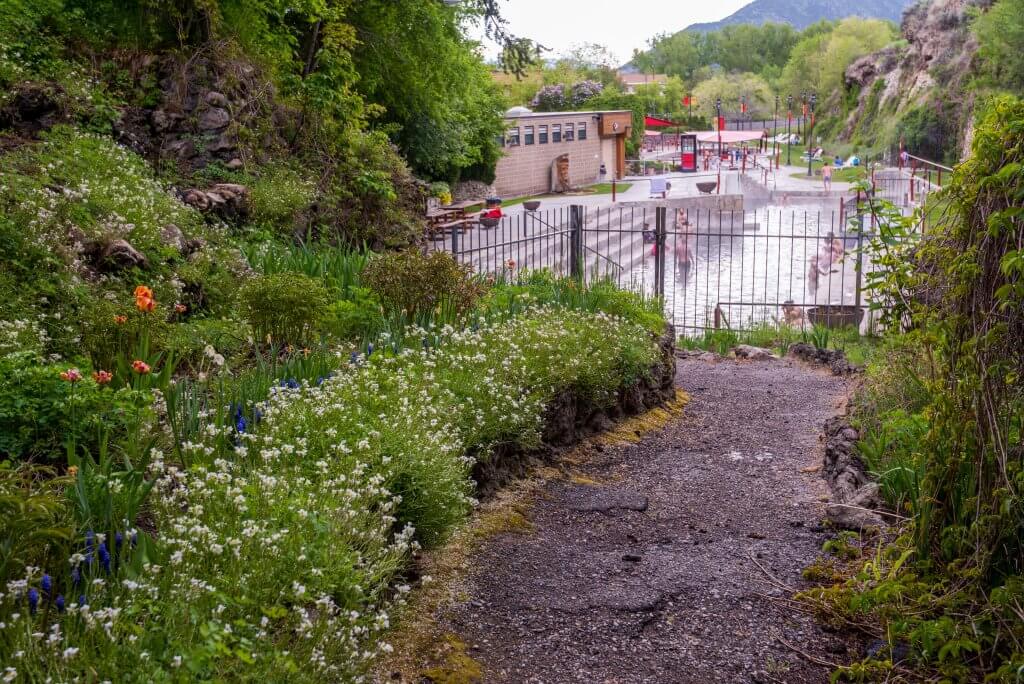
(654, 122)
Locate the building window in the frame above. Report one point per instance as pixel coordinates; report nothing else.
(556, 133)
(528, 135)
(542, 134)
(570, 132)
(513, 137)
(582, 130)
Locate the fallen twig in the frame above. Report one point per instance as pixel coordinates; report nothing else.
(805, 654)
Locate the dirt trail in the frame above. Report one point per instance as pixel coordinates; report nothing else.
(648, 574)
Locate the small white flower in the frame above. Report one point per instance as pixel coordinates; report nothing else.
(69, 652)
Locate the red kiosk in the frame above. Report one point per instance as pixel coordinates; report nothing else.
(687, 142)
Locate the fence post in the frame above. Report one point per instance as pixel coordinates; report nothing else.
(455, 243)
(860, 252)
(660, 219)
(576, 241)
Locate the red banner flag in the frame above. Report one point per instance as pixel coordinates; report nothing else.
(721, 123)
(805, 111)
(743, 107)
(686, 101)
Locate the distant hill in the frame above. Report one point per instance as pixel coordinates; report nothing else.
(803, 13)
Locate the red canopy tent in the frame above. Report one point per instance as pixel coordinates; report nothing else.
(655, 122)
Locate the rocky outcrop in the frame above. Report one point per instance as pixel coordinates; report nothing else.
(932, 65)
(835, 359)
(571, 417)
(32, 107)
(228, 201)
(855, 497)
(119, 255)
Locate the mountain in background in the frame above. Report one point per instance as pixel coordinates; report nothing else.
(802, 13)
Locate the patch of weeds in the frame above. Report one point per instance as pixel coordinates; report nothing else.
(457, 667)
(508, 520)
(824, 571)
(844, 545)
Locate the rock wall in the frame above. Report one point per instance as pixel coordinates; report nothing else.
(570, 418)
(933, 66)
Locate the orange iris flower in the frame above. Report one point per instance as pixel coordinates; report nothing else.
(140, 367)
(102, 377)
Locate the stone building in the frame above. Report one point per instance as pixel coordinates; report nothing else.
(557, 151)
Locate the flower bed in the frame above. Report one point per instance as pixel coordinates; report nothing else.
(279, 553)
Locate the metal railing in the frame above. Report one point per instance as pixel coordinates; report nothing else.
(739, 268)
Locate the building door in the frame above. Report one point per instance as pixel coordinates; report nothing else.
(688, 152)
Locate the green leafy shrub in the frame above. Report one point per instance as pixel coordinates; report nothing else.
(41, 414)
(284, 308)
(414, 283)
(279, 197)
(354, 319)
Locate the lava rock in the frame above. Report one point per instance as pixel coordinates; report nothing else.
(119, 255)
(214, 119)
(746, 351)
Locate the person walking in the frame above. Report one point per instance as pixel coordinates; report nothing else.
(826, 176)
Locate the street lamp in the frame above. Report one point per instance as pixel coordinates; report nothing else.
(775, 138)
(802, 123)
(809, 131)
(789, 141)
(718, 124)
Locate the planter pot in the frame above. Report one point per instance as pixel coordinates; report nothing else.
(489, 222)
(532, 205)
(836, 316)
(706, 188)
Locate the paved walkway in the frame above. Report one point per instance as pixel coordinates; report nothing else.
(667, 561)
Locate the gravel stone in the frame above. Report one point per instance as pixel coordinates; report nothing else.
(560, 604)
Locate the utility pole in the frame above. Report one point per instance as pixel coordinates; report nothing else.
(803, 114)
(789, 141)
(810, 131)
(718, 125)
(775, 138)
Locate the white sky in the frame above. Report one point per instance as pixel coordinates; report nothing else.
(621, 25)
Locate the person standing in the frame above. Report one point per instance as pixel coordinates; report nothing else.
(826, 176)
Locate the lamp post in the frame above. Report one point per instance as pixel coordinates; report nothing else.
(789, 141)
(718, 124)
(775, 138)
(810, 130)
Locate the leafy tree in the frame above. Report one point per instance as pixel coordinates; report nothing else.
(818, 62)
(730, 88)
(1000, 34)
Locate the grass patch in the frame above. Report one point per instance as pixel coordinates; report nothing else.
(606, 188)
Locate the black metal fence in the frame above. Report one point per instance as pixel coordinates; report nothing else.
(711, 268)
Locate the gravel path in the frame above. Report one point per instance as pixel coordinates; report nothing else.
(648, 575)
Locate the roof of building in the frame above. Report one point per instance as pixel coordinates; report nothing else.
(530, 114)
(641, 79)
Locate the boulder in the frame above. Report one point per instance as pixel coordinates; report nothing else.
(235, 164)
(222, 143)
(119, 255)
(746, 351)
(214, 119)
(182, 148)
(173, 237)
(227, 200)
(849, 517)
(163, 120)
(215, 99)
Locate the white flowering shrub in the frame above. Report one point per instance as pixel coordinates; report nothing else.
(278, 553)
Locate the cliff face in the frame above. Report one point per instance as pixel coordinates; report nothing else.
(917, 87)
